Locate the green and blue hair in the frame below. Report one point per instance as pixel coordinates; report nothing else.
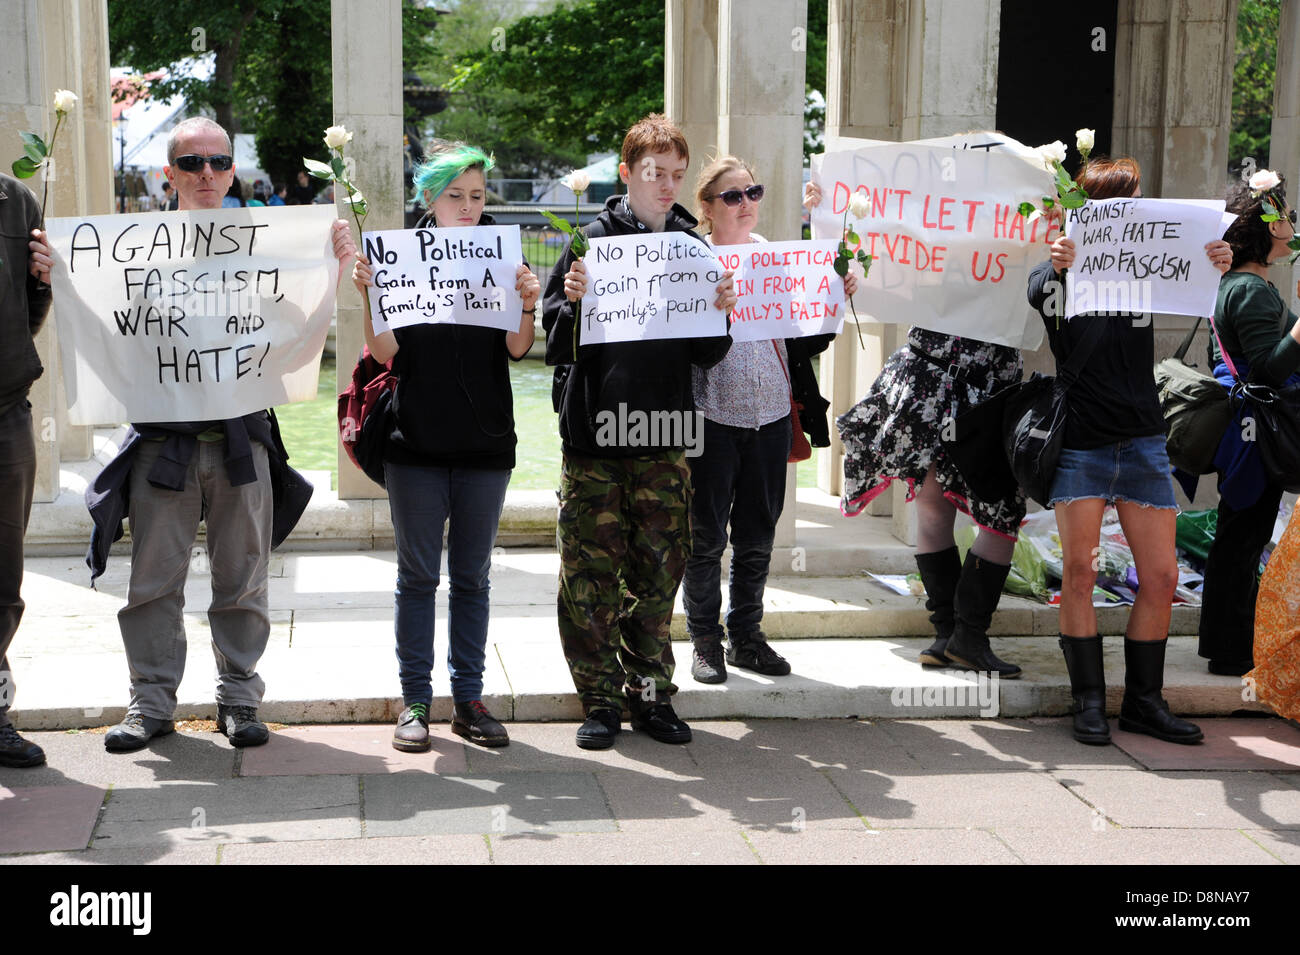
(447, 162)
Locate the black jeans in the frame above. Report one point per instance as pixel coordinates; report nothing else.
(1228, 596)
(738, 477)
(17, 481)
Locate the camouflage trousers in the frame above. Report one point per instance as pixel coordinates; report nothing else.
(624, 536)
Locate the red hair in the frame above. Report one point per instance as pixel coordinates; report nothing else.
(1110, 178)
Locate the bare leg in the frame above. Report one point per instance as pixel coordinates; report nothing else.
(1079, 523)
(1150, 532)
(935, 517)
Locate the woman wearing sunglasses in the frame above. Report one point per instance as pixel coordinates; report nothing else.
(448, 459)
(1262, 339)
(739, 476)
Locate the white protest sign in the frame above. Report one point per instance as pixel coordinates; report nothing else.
(460, 276)
(652, 285)
(1142, 256)
(950, 253)
(192, 316)
(784, 289)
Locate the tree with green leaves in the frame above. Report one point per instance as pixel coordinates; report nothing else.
(583, 73)
(1252, 81)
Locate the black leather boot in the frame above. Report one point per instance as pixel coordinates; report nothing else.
(1088, 686)
(1144, 710)
(978, 592)
(940, 572)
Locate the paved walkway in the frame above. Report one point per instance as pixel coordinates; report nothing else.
(857, 779)
(783, 791)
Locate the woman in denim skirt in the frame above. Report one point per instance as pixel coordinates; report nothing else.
(739, 477)
(1113, 453)
(448, 459)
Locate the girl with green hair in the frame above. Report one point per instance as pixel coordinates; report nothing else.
(448, 459)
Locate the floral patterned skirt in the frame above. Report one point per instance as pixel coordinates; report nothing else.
(1277, 626)
(893, 433)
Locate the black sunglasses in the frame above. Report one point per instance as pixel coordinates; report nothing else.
(192, 163)
(732, 197)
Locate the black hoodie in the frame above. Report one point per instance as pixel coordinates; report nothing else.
(643, 376)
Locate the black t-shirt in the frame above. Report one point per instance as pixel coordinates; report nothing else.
(453, 406)
(1115, 397)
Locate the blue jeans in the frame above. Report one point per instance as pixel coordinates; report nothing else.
(421, 500)
(738, 477)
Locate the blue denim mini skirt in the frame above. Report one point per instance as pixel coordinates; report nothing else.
(1136, 470)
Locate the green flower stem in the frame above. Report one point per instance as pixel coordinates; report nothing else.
(45, 187)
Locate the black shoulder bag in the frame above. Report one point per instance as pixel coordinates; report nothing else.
(1033, 420)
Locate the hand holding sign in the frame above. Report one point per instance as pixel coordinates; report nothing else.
(1133, 256)
(192, 316)
(648, 286)
(784, 289)
(463, 276)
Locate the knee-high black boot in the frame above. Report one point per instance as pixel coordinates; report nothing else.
(1144, 710)
(1088, 686)
(978, 592)
(940, 572)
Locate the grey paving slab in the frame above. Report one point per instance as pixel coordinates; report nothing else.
(44, 818)
(956, 746)
(962, 801)
(1189, 800)
(401, 850)
(273, 809)
(1105, 844)
(1285, 845)
(728, 796)
(354, 750)
(623, 848)
(143, 855)
(882, 847)
(551, 747)
(786, 745)
(79, 756)
(1243, 743)
(411, 804)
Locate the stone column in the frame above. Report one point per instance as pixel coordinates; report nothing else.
(1173, 93)
(760, 118)
(1284, 151)
(691, 80)
(367, 42)
(52, 45)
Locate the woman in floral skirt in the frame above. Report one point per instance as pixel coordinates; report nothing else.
(893, 435)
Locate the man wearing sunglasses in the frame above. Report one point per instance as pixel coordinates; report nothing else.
(175, 474)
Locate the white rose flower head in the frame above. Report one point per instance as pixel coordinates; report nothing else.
(1053, 152)
(1085, 139)
(336, 137)
(64, 100)
(859, 206)
(577, 182)
(1264, 180)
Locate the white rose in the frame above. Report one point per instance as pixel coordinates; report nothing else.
(1084, 140)
(577, 182)
(336, 137)
(859, 206)
(64, 100)
(1053, 152)
(1264, 180)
